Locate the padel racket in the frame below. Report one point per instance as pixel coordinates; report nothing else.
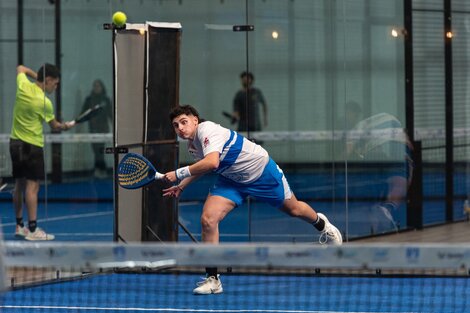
(5, 188)
(135, 171)
(232, 118)
(88, 114)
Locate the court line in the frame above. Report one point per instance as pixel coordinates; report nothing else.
(169, 309)
(67, 217)
(83, 234)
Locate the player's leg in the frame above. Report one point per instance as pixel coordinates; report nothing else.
(272, 187)
(18, 166)
(18, 193)
(34, 175)
(31, 199)
(300, 209)
(215, 209)
(222, 199)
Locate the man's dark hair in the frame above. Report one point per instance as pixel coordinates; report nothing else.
(48, 70)
(247, 74)
(184, 109)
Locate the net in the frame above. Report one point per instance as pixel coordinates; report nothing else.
(56, 277)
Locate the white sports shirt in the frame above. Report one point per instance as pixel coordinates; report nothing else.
(240, 159)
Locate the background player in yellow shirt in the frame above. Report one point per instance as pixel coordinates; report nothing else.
(32, 108)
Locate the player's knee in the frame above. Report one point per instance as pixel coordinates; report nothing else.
(292, 210)
(208, 222)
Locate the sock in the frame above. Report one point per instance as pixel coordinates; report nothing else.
(32, 226)
(19, 221)
(211, 271)
(319, 224)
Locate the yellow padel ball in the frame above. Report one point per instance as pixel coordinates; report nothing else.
(119, 18)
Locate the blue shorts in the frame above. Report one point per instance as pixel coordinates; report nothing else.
(271, 187)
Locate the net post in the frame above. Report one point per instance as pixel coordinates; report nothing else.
(414, 212)
(162, 95)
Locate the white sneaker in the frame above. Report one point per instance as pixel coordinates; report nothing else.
(330, 233)
(39, 234)
(21, 231)
(209, 286)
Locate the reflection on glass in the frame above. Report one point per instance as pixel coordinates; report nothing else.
(99, 123)
(382, 150)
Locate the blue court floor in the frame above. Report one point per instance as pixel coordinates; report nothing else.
(84, 210)
(242, 293)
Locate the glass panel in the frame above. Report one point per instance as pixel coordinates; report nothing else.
(372, 102)
(289, 57)
(74, 202)
(212, 58)
(461, 81)
(79, 194)
(8, 57)
(429, 101)
(322, 67)
(428, 4)
(37, 48)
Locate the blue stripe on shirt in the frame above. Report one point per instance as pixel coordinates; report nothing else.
(232, 153)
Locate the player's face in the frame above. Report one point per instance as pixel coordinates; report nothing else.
(50, 84)
(185, 126)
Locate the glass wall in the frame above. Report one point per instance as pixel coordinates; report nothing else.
(328, 87)
(461, 111)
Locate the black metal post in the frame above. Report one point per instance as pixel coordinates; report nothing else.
(449, 106)
(56, 147)
(415, 192)
(20, 31)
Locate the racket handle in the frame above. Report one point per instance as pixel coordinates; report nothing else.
(159, 176)
(70, 124)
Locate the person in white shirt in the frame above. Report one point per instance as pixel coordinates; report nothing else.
(245, 169)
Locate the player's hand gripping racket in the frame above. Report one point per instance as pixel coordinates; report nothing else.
(88, 114)
(135, 171)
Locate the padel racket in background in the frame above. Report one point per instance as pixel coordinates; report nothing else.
(135, 171)
(88, 114)
(232, 118)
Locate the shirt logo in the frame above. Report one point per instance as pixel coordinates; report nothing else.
(206, 142)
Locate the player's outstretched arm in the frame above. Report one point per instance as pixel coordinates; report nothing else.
(56, 125)
(209, 163)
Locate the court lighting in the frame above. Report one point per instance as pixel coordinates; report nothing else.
(449, 35)
(396, 32)
(275, 34)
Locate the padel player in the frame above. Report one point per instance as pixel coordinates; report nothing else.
(32, 107)
(245, 169)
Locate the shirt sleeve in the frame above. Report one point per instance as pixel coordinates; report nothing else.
(211, 138)
(49, 111)
(21, 78)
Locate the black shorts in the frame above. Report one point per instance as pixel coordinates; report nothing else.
(27, 160)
